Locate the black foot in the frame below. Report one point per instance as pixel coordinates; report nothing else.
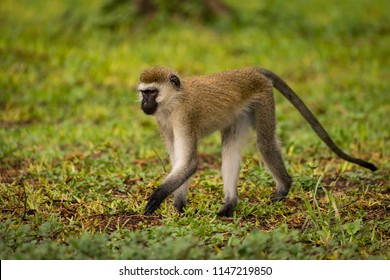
(227, 210)
(179, 205)
(279, 195)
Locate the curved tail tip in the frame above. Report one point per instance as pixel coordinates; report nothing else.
(371, 166)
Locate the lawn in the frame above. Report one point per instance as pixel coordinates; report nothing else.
(78, 158)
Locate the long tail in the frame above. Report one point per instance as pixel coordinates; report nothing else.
(287, 92)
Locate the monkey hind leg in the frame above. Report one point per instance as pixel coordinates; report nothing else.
(267, 144)
(180, 197)
(273, 160)
(233, 138)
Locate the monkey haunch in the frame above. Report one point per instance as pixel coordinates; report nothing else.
(233, 101)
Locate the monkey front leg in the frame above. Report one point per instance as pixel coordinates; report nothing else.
(180, 195)
(182, 154)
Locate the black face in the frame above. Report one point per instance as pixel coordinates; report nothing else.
(149, 104)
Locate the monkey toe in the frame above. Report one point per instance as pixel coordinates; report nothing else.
(179, 205)
(279, 195)
(155, 200)
(150, 208)
(226, 211)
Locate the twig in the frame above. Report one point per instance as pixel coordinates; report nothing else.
(162, 163)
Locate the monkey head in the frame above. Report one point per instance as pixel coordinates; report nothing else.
(157, 86)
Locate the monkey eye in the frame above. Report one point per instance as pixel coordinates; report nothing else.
(152, 91)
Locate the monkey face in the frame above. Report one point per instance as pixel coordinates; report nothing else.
(158, 87)
(149, 103)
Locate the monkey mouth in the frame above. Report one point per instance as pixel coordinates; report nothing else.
(149, 110)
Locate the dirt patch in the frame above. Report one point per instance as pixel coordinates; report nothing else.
(12, 170)
(110, 223)
(8, 176)
(19, 123)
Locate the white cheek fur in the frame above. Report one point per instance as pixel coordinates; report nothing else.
(159, 98)
(162, 94)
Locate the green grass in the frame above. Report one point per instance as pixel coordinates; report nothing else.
(78, 158)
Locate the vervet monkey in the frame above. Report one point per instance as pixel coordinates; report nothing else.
(232, 101)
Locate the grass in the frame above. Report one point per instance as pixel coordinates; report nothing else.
(78, 158)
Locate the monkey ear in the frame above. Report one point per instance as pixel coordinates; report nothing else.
(175, 80)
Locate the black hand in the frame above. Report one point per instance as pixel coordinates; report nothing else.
(155, 200)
